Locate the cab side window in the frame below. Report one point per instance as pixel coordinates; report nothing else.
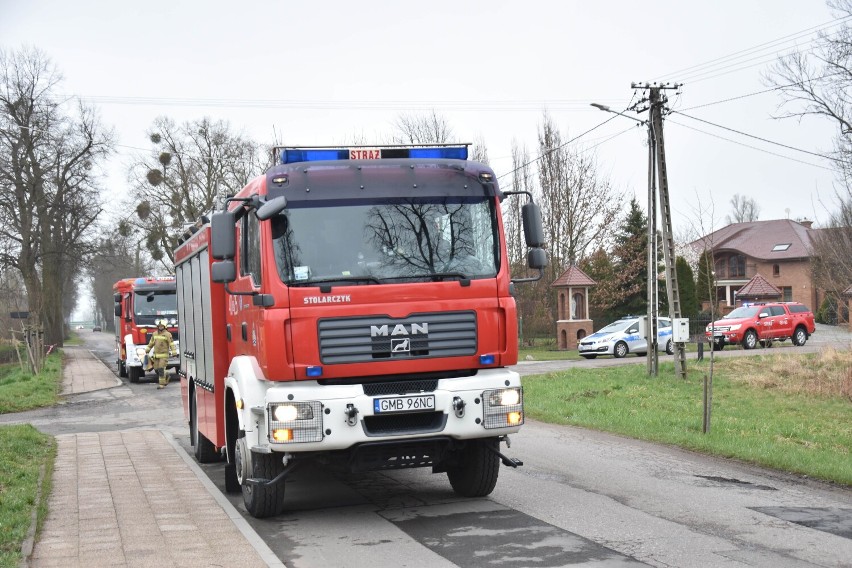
(250, 248)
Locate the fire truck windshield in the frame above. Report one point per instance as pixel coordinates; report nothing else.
(150, 306)
(365, 242)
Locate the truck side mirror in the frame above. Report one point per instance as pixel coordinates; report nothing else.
(223, 271)
(118, 310)
(271, 208)
(533, 231)
(223, 236)
(116, 298)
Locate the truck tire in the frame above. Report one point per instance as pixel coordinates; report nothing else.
(261, 501)
(122, 369)
(477, 470)
(800, 336)
(205, 451)
(134, 374)
(750, 339)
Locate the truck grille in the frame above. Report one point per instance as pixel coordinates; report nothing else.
(400, 387)
(369, 339)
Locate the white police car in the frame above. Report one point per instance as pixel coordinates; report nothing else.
(622, 337)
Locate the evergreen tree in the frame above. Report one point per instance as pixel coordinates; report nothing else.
(689, 305)
(631, 270)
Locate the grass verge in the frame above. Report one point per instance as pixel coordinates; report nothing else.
(24, 451)
(20, 390)
(783, 411)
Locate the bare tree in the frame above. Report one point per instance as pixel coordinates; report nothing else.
(743, 209)
(817, 82)
(832, 249)
(192, 167)
(579, 206)
(430, 128)
(49, 197)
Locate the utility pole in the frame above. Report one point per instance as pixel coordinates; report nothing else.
(657, 157)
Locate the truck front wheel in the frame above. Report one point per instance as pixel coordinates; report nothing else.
(261, 501)
(750, 340)
(122, 369)
(134, 374)
(475, 473)
(800, 336)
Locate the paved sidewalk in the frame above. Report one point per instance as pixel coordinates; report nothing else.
(135, 498)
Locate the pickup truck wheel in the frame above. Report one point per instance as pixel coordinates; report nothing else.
(800, 336)
(261, 501)
(750, 340)
(134, 374)
(205, 451)
(477, 469)
(717, 345)
(620, 350)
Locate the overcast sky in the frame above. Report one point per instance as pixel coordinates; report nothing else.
(322, 72)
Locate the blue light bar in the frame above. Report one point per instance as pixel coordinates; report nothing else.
(459, 153)
(293, 155)
(314, 371)
(487, 359)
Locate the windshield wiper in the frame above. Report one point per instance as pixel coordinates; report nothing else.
(441, 276)
(331, 279)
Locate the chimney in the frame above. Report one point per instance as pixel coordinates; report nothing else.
(806, 223)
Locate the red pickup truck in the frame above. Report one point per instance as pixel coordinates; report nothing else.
(762, 323)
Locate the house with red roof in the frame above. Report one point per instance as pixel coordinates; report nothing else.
(778, 251)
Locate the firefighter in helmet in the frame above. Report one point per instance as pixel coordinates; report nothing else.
(159, 349)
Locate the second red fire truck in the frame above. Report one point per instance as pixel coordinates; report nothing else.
(139, 304)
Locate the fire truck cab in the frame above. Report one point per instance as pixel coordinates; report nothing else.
(139, 304)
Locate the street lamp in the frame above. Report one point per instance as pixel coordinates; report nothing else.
(651, 324)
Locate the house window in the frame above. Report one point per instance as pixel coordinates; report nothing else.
(786, 293)
(736, 266)
(776, 270)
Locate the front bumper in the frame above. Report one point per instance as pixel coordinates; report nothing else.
(344, 416)
(605, 349)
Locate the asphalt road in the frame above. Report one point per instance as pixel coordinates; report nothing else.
(583, 498)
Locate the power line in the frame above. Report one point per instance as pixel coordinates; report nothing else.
(756, 48)
(380, 105)
(550, 151)
(749, 146)
(756, 137)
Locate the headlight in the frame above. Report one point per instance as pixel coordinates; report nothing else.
(503, 407)
(291, 422)
(735, 327)
(290, 412)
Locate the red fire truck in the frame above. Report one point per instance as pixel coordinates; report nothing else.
(139, 304)
(353, 307)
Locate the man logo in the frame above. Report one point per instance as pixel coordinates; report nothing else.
(400, 345)
(399, 329)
